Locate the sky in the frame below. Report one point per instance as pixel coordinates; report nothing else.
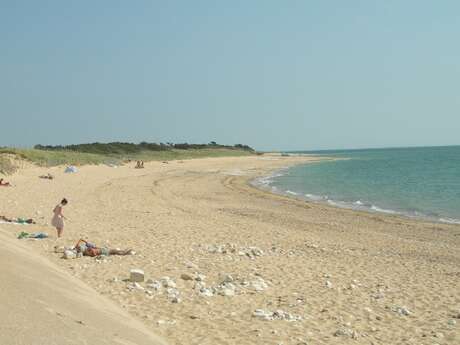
(276, 75)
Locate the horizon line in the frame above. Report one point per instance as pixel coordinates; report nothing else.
(367, 148)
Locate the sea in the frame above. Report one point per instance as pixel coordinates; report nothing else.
(418, 182)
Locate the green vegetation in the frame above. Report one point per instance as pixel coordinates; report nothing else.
(115, 153)
(130, 148)
(6, 165)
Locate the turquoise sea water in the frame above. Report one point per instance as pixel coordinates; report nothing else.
(416, 182)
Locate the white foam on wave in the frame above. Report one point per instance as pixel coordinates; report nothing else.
(383, 210)
(291, 192)
(314, 197)
(359, 203)
(449, 220)
(265, 181)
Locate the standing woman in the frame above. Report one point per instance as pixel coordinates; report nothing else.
(58, 218)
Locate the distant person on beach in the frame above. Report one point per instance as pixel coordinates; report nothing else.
(4, 183)
(139, 164)
(47, 176)
(18, 220)
(58, 217)
(89, 249)
(5, 219)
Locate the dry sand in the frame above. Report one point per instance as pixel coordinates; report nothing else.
(349, 276)
(42, 304)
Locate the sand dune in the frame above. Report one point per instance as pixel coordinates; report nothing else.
(330, 276)
(42, 304)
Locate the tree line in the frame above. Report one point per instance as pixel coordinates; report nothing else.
(130, 148)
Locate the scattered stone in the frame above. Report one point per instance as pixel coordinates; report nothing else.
(166, 322)
(401, 310)
(225, 289)
(176, 299)
(206, 292)
(267, 315)
(167, 282)
(69, 254)
(259, 284)
(153, 284)
(452, 322)
(190, 264)
(134, 286)
(136, 275)
(254, 251)
(200, 277)
(328, 284)
(225, 278)
(346, 332)
(186, 276)
(173, 295)
(219, 249)
(250, 252)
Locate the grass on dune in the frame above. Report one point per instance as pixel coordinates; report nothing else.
(54, 158)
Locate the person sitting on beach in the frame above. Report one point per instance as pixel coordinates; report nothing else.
(89, 249)
(5, 219)
(18, 220)
(4, 183)
(47, 176)
(58, 218)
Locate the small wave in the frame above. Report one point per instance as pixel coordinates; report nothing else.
(378, 209)
(449, 220)
(333, 202)
(291, 192)
(268, 180)
(359, 203)
(314, 197)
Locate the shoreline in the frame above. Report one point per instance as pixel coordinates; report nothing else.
(263, 183)
(272, 269)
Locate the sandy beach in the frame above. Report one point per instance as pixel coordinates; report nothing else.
(244, 265)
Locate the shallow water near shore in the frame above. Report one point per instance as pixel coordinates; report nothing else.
(422, 182)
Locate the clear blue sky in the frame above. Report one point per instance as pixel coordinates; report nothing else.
(271, 74)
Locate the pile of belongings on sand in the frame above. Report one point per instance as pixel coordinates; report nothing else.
(71, 169)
